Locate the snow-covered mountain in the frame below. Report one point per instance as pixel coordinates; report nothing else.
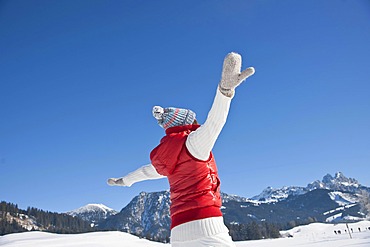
(93, 213)
(270, 194)
(147, 215)
(312, 235)
(337, 183)
(228, 197)
(334, 199)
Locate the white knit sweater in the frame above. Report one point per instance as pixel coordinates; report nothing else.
(199, 142)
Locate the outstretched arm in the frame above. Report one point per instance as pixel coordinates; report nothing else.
(201, 141)
(146, 172)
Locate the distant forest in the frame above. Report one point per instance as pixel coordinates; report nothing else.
(254, 231)
(11, 217)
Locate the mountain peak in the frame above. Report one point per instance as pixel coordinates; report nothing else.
(93, 212)
(92, 207)
(339, 175)
(338, 182)
(270, 194)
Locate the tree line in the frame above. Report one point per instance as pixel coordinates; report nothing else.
(47, 221)
(65, 224)
(253, 231)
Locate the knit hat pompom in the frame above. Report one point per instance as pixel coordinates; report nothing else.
(158, 112)
(172, 116)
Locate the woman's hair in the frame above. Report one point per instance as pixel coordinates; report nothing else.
(195, 122)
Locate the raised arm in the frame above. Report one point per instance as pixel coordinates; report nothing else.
(201, 141)
(146, 172)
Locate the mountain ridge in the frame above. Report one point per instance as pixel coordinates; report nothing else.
(93, 213)
(338, 182)
(333, 199)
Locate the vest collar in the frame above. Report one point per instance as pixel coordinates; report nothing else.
(177, 129)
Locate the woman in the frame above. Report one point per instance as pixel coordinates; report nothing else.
(184, 156)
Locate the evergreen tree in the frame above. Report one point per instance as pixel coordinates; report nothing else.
(253, 231)
(48, 221)
(365, 203)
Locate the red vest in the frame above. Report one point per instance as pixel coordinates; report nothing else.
(194, 184)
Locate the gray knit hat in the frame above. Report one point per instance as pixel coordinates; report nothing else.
(171, 116)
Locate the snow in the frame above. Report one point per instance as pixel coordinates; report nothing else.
(91, 208)
(350, 184)
(339, 209)
(24, 220)
(95, 239)
(313, 235)
(334, 217)
(271, 195)
(342, 199)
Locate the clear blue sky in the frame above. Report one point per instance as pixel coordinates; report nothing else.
(78, 80)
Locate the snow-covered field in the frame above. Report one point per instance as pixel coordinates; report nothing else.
(313, 235)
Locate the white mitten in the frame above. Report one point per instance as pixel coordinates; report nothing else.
(117, 182)
(231, 75)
